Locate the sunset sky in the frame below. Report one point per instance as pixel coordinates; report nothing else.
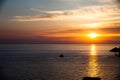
(59, 21)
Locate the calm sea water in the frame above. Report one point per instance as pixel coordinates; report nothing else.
(42, 62)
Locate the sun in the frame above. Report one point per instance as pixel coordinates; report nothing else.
(93, 35)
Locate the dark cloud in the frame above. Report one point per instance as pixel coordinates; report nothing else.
(118, 3)
(67, 31)
(38, 39)
(1, 3)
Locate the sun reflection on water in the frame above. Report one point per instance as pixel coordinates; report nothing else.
(93, 50)
(93, 66)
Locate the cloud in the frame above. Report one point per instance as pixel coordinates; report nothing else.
(43, 15)
(83, 13)
(77, 32)
(106, 1)
(33, 18)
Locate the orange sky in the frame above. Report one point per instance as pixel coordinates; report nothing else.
(71, 22)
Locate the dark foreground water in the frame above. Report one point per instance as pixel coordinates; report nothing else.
(42, 62)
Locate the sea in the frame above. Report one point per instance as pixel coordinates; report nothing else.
(43, 61)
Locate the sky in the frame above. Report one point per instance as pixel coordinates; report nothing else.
(59, 21)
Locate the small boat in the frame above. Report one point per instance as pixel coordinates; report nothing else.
(61, 55)
(91, 78)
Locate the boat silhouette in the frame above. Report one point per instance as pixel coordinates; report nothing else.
(61, 55)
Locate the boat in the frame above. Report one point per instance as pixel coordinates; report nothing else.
(91, 78)
(61, 55)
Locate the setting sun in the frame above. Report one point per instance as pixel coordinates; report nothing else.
(93, 35)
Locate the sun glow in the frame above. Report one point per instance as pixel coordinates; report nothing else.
(93, 35)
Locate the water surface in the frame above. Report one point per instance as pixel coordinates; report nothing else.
(42, 62)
